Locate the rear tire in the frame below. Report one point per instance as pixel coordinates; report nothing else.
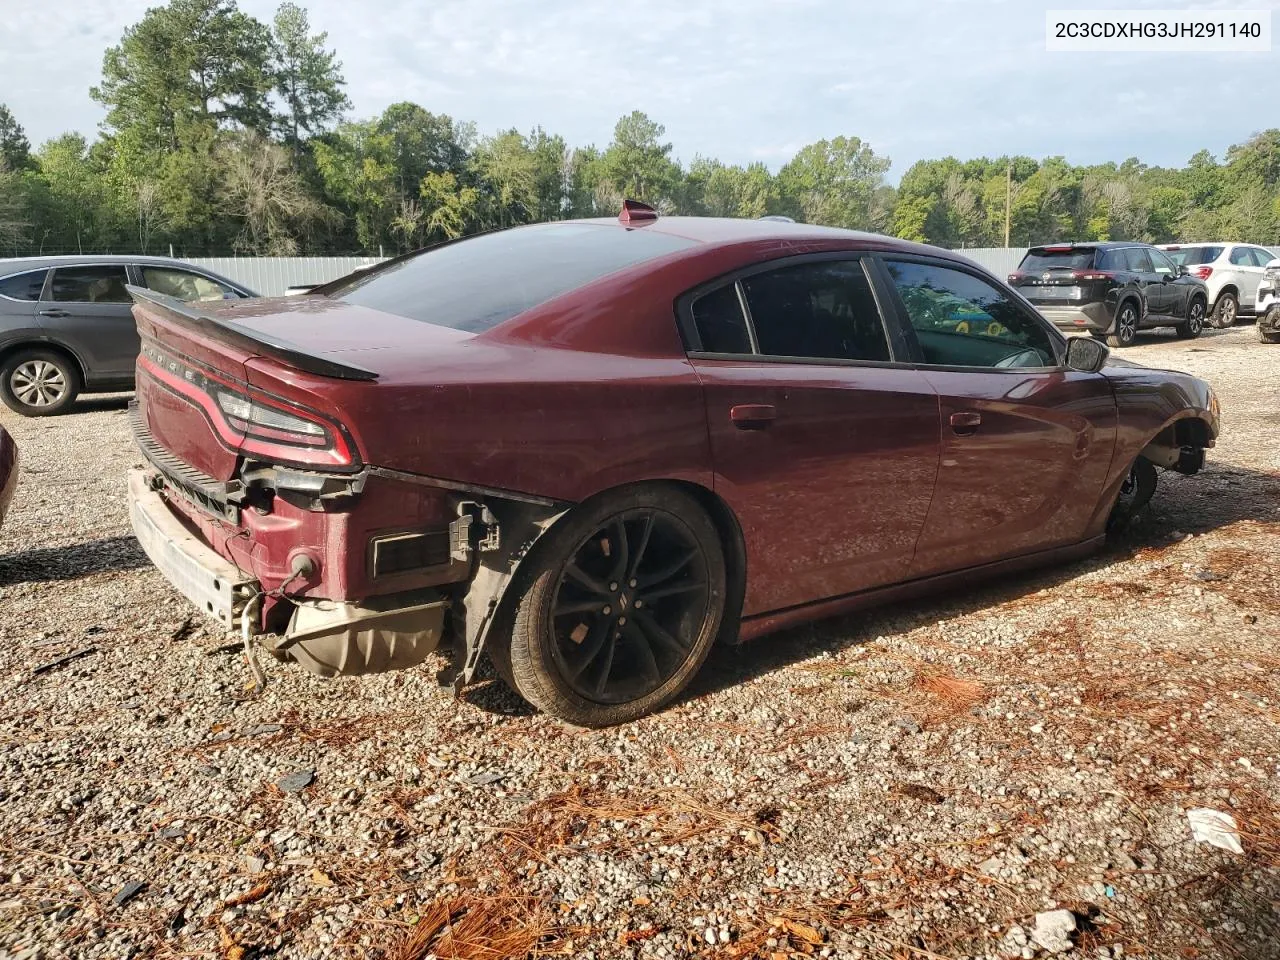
(1135, 493)
(39, 383)
(613, 621)
(1125, 326)
(1194, 324)
(1226, 310)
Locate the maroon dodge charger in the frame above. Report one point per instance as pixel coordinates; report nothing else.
(589, 449)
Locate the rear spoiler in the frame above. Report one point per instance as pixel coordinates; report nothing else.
(188, 315)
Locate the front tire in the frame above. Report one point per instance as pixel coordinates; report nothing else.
(1126, 326)
(1225, 310)
(1135, 493)
(1194, 324)
(1268, 327)
(39, 383)
(624, 602)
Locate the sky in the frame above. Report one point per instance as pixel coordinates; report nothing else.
(741, 81)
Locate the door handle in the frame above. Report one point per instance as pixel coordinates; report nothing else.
(53, 313)
(965, 422)
(753, 416)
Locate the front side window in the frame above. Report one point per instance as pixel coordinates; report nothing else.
(822, 310)
(23, 286)
(97, 284)
(185, 285)
(961, 320)
(1162, 264)
(1261, 257)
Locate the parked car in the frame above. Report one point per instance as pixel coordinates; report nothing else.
(1231, 273)
(8, 471)
(1268, 304)
(66, 326)
(589, 449)
(1111, 290)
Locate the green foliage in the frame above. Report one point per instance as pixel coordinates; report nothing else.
(225, 133)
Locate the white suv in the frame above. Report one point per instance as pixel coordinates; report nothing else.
(1231, 271)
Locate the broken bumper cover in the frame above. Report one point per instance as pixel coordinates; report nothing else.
(327, 637)
(202, 576)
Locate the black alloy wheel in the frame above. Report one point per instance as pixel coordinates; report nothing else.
(1126, 327)
(625, 604)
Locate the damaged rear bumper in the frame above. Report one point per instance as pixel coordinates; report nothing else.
(326, 637)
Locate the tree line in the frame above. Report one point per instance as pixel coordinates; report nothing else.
(224, 134)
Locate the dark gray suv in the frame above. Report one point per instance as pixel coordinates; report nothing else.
(66, 323)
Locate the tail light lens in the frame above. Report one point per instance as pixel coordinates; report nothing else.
(1203, 272)
(250, 421)
(1093, 275)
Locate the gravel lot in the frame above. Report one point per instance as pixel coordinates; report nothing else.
(918, 782)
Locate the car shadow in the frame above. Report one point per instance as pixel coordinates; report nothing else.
(1217, 497)
(102, 403)
(51, 564)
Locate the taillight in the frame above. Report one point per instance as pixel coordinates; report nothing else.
(1093, 275)
(1203, 271)
(253, 422)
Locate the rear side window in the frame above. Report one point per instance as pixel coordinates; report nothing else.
(1240, 257)
(97, 284)
(1191, 256)
(721, 326)
(822, 310)
(1136, 260)
(23, 286)
(1039, 259)
(478, 283)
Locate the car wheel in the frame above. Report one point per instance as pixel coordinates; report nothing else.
(1194, 324)
(1268, 327)
(1126, 326)
(1135, 493)
(38, 383)
(1225, 311)
(621, 608)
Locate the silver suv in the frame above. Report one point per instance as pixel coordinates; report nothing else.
(1231, 271)
(66, 323)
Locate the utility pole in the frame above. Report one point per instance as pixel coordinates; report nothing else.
(1008, 199)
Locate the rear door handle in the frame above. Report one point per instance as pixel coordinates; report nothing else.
(966, 422)
(53, 313)
(753, 416)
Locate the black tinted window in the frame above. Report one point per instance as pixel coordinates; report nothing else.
(963, 321)
(104, 284)
(823, 310)
(1136, 260)
(23, 286)
(476, 284)
(721, 325)
(1038, 260)
(1190, 256)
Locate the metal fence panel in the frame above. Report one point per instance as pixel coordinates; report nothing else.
(1001, 261)
(271, 276)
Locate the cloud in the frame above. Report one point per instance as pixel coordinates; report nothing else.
(742, 81)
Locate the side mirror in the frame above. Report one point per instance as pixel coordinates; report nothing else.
(1085, 354)
(1183, 271)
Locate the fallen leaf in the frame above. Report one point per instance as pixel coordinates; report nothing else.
(321, 879)
(250, 896)
(230, 949)
(641, 902)
(801, 931)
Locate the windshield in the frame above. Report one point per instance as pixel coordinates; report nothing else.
(477, 283)
(1189, 256)
(1039, 259)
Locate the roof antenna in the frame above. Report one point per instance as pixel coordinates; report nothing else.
(633, 210)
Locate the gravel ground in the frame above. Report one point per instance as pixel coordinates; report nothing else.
(917, 782)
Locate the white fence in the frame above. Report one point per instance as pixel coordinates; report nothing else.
(1001, 261)
(271, 276)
